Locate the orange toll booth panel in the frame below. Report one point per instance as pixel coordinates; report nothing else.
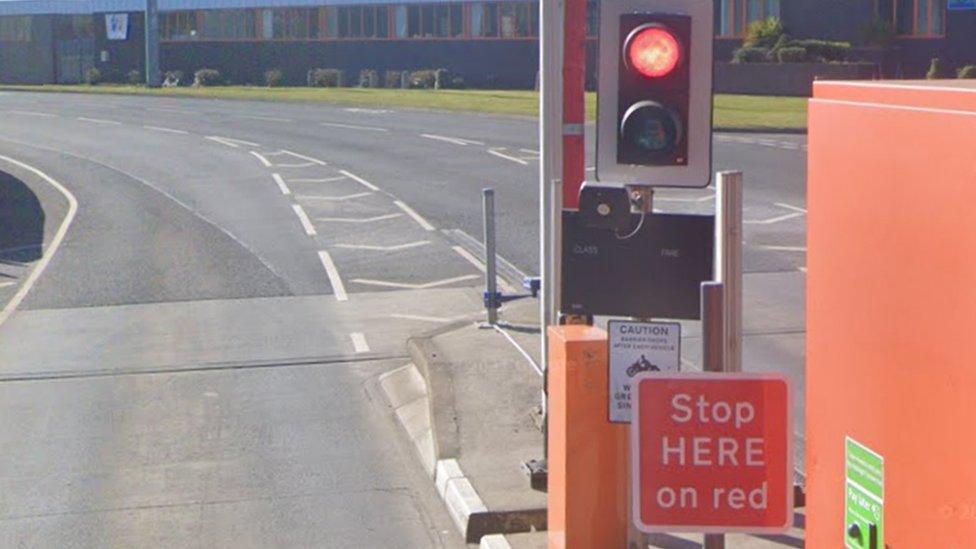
(891, 315)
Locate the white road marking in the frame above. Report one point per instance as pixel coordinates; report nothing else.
(354, 127)
(772, 220)
(791, 207)
(507, 157)
(591, 168)
(455, 140)
(323, 180)
(359, 342)
(529, 151)
(302, 156)
(506, 287)
(334, 279)
(303, 218)
(359, 219)
(166, 130)
(259, 156)
(262, 118)
(230, 142)
(332, 198)
(396, 248)
(281, 183)
(416, 216)
(477, 244)
(359, 180)
(407, 285)
(55, 243)
(100, 121)
(34, 113)
(802, 269)
(5, 284)
(802, 249)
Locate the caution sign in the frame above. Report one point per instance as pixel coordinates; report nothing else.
(637, 347)
(712, 453)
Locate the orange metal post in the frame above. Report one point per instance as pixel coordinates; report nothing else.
(587, 454)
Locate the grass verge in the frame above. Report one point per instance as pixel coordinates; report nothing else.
(732, 112)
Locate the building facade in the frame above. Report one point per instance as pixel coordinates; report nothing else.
(490, 44)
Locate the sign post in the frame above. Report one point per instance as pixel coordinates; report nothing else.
(712, 453)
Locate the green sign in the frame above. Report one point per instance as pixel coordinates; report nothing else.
(864, 497)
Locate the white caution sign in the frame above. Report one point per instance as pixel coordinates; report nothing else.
(637, 347)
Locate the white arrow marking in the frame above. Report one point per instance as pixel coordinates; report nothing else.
(330, 269)
(359, 180)
(499, 154)
(333, 198)
(359, 219)
(414, 286)
(281, 183)
(396, 248)
(416, 216)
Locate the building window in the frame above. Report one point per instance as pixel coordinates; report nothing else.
(732, 17)
(291, 24)
(179, 25)
(517, 19)
(484, 20)
(447, 21)
(228, 24)
(401, 22)
(413, 22)
(913, 17)
(73, 27)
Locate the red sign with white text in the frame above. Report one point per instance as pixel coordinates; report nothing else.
(712, 453)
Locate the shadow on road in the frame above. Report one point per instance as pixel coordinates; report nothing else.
(21, 222)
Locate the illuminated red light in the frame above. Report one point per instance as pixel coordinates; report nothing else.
(653, 52)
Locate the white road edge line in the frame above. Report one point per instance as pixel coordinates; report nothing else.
(21, 293)
(360, 180)
(359, 219)
(259, 156)
(99, 121)
(507, 157)
(303, 218)
(330, 269)
(166, 130)
(359, 342)
(411, 286)
(354, 127)
(281, 183)
(478, 264)
(396, 248)
(416, 216)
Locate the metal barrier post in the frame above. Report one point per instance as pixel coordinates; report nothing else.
(713, 354)
(491, 280)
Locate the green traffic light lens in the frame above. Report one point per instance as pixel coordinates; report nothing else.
(650, 127)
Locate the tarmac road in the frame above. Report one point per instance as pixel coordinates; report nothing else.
(195, 364)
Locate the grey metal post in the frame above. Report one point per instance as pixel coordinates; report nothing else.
(713, 349)
(728, 228)
(151, 28)
(491, 281)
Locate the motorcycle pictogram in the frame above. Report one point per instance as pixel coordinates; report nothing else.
(642, 365)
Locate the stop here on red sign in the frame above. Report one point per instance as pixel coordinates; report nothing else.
(712, 453)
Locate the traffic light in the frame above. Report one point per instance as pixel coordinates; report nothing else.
(654, 118)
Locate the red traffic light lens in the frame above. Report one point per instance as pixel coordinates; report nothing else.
(653, 51)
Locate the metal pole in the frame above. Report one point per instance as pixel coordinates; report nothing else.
(713, 328)
(728, 228)
(491, 281)
(151, 30)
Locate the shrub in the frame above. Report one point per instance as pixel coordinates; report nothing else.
(457, 82)
(171, 79)
(969, 71)
(273, 78)
(750, 55)
(369, 79)
(392, 79)
(424, 79)
(93, 77)
(935, 69)
(791, 55)
(763, 33)
(134, 78)
(326, 78)
(825, 50)
(206, 77)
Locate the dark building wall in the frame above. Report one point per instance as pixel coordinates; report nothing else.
(30, 62)
(826, 19)
(123, 55)
(482, 63)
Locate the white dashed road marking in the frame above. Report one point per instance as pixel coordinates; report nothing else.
(396, 248)
(499, 154)
(100, 121)
(359, 342)
(416, 216)
(359, 180)
(303, 218)
(281, 183)
(166, 130)
(330, 270)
